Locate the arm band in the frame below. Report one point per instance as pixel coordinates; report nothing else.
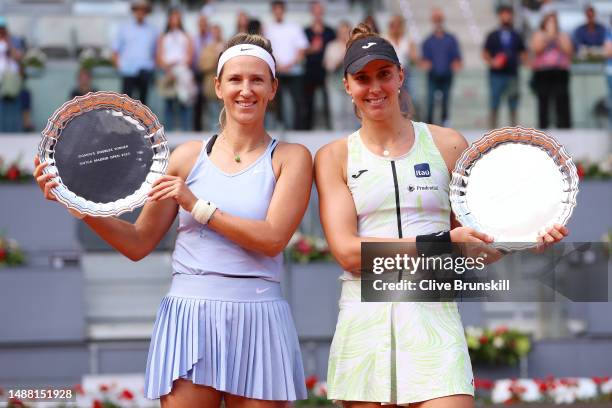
(438, 243)
(202, 211)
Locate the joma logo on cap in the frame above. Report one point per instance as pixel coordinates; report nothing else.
(365, 47)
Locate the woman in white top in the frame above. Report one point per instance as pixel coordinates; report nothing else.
(406, 51)
(339, 101)
(392, 352)
(174, 55)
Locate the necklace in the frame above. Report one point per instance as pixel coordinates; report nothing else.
(237, 158)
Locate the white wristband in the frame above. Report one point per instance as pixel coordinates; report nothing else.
(76, 214)
(202, 211)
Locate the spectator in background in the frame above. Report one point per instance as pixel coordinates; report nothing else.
(134, 52)
(11, 80)
(503, 51)
(208, 66)
(589, 35)
(371, 22)
(200, 41)
(289, 44)
(608, 55)
(177, 86)
(242, 22)
(255, 27)
(552, 51)
(441, 60)
(83, 84)
(405, 48)
(342, 114)
(319, 36)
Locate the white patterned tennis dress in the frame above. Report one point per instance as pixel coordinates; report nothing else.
(398, 353)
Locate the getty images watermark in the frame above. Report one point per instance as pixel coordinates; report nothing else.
(473, 272)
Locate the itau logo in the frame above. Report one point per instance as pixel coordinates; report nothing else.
(422, 170)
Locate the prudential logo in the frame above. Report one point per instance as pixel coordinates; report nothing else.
(422, 170)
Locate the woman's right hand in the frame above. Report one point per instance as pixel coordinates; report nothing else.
(475, 244)
(45, 181)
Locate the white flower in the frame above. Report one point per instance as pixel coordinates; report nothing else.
(87, 53)
(320, 244)
(606, 387)
(498, 342)
(320, 389)
(563, 394)
(474, 331)
(587, 389)
(532, 391)
(501, 391)
(294, 239)
(106, 54)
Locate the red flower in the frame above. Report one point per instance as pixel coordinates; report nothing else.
(483, 339)
(480, 383)
(303, 247)
(126, 394)
(97, 404)
(13, 173)
(311, 381)
(501, 330)
(78, 388)
(580, 170)
(14, 402)
(596, 380)
(104, 388)
(2, 254)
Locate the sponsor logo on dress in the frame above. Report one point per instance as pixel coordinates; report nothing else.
(259, 291)
(422, 170)
(412, 188)
(359, 173)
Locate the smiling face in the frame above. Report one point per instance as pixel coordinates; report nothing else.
(374, 89)
(246, 86)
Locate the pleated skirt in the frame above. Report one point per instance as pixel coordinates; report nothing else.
(233, 334)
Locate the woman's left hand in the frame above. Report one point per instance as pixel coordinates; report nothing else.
(552, 235)
(173, 187)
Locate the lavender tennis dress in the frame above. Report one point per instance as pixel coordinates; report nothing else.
(224, 323)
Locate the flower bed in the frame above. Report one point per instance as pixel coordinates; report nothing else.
(10, 253)
(536, 393)
(500, 346)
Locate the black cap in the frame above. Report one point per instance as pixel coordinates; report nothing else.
(366, 50)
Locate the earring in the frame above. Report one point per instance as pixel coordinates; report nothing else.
(399, 90)
(352, 101)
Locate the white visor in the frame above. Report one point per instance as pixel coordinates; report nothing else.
(246, 49)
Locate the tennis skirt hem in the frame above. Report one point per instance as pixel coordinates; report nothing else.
(240, 345)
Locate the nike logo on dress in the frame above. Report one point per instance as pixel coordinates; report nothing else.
(365, 47)
(359, 173)
(260, 291)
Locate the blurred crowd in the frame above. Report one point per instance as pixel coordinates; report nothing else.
(181, 67)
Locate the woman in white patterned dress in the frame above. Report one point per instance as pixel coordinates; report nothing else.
(411, 353)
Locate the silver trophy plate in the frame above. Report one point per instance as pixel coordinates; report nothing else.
(105, 150)
(513, 184)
